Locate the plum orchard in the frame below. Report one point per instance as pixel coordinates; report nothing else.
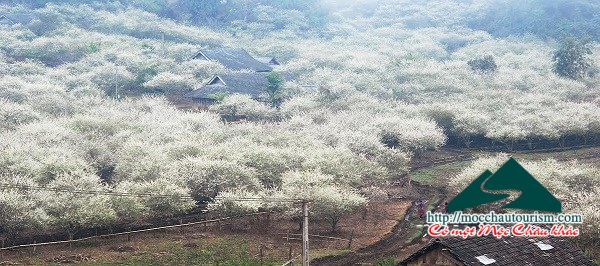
(388, 87)
(145, 146)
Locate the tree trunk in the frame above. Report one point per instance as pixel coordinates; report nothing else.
(334, 223)
(467, 141)
(561, 141)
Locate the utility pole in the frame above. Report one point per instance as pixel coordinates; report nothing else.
(163, 43)
(116, 84)
(305, 260)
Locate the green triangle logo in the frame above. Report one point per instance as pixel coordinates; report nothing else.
(511, 176)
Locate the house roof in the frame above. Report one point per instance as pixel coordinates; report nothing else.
(250, 83)
(489, 250)
(16, 18)
(268, 60)
(233, 59)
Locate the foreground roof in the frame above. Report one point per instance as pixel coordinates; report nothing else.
(489, 250)
(233, 59)
(253, 84)
(272, 61)
(248, 83)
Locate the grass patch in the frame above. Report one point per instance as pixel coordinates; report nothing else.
(418, 223)
(389, 261)
(416, 235)
(433, 175)
(319, 253)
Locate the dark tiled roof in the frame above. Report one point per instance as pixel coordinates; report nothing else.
(233, 59)
(17, 18)
(508, 251)
(268, 60)
(252, 83)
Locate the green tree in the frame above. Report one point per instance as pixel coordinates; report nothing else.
(273, 90)
(571, 59)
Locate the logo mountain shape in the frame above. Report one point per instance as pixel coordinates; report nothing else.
(511, 176)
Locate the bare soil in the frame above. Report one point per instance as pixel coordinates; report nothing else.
(276, 237)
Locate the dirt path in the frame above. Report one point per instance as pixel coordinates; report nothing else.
(393, 244)
(402, 240)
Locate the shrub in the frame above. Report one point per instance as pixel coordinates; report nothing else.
(170, 83)
(206, 178)
(485, 64)
(330, 200)
(235, 107)
(162, 197)
(13, 115)
(76, 211)
(571, 59)
(389, 261)
(20, 211)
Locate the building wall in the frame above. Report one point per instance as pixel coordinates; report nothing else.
(202, 103)
(435, 257)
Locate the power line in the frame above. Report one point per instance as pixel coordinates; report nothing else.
(133, 231)
(94, 192)
(152, 195)
(305, 240)
(261, 199)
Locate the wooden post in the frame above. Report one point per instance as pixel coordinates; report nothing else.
(70, 240)
(305, 258)
(181, 226)
(129, 235)
(34, 246)
(2, 250)
(351, 237)
(262, 254)
(268, 223)
(290, 254)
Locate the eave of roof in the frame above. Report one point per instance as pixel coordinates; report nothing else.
(507, 251)
(252, 83)
(233, 59)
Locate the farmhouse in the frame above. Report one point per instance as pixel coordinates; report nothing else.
(252, 83)
(489, 250)
(16, 18)
(234, 59)
(271, 61)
